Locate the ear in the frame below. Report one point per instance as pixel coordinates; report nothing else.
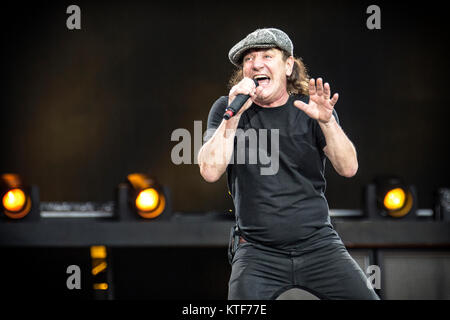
(289, 65)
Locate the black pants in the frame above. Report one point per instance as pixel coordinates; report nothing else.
(324, 267)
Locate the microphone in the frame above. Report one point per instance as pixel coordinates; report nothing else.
(237, 104)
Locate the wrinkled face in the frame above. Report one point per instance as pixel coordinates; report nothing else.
(269, 68)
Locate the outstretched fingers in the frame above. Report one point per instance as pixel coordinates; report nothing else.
(312, 87)
(306, 108)
(334, 99)
(326, 90)
(319, 87)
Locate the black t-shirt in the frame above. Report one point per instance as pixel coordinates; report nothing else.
(276, 204)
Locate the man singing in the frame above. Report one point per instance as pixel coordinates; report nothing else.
(283, 236)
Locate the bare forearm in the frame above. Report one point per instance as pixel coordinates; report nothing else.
(339, 149)
(214, 156)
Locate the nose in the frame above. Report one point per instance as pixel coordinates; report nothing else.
(258, 63)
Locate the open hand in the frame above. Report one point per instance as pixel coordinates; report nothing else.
(320, 106)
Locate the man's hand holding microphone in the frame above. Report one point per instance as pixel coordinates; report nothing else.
(241, 97)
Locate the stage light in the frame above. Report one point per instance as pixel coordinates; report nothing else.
(98, 252)
(147, 200)
(14, 200)
(99, 268)
(101, 286)
(394, 199)
(390, 197)
(142, 197)
(101, 274)
(18, 200)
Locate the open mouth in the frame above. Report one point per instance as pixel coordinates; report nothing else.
(262, 79)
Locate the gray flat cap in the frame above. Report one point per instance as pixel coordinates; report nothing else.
(261, 38)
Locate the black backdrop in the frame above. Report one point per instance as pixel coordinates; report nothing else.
(82, 108)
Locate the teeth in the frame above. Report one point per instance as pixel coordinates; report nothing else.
(261, 77)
